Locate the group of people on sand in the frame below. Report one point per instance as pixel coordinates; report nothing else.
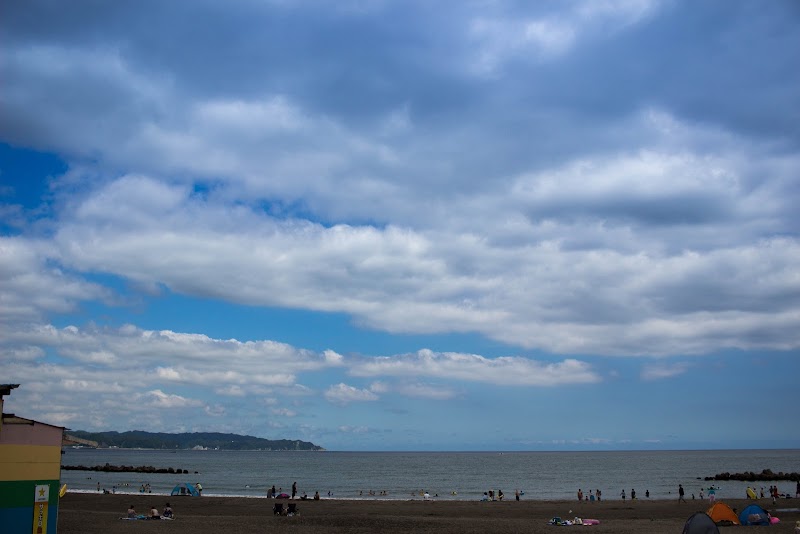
(776, 494)
(277, 493)
(154, 513)
(273, 493)
(633, 494)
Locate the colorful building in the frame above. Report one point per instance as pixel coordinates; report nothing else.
(30, 471)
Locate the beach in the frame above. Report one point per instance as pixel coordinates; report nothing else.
(89, 513)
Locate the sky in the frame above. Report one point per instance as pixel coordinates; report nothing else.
(379, 225)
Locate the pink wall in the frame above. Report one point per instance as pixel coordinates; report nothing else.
(30, 434)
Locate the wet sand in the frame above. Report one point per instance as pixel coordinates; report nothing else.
(97, 513)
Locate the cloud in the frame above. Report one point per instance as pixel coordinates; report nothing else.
(660, 371)
(22, 354)
(547, 177)
(233, 390)
(128, 346)
(426, 391)
(31, 286)
(283, 412)
(347, 429)
(343, 394)
(605, 279)
(158, 399)
(546, 36)
(215, 411)
(506, 371)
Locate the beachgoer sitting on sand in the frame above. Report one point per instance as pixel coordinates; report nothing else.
(131, 512)
(168, 511)
(154, 513)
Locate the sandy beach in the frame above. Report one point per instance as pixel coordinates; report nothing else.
(98, 513)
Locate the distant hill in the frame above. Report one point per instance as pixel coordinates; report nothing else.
(138, 439)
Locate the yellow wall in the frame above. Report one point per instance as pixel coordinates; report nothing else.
(30, 462)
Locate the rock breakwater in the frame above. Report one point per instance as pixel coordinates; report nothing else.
(749, 476)
(108, 468)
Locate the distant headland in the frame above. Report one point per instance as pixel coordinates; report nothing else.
(139, 439)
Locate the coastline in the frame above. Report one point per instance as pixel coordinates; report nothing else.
(92, 513)
(766, 502)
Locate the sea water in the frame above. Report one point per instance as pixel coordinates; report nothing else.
(444, 475)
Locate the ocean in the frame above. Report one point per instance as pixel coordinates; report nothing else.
(444, 475)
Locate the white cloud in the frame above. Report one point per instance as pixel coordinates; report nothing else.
(22, 354)
(233, 390)
(274, 113)
(348, 429)
(158, 399)
(507, 371)
(379, 387)
(625, 12)
(116, 365)
(215, 411)
(31, 286)
(93, 387)
(659, 371)
(343, 394)
(426, 391)
(548, 36)
(581, 250)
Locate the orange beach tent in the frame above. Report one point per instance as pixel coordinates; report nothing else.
(722, 514)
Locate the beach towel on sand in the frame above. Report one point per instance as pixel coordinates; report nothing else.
(576, 521)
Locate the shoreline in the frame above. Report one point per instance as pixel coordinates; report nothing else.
(89, 513)
(766, 502)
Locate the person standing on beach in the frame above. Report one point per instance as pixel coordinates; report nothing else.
(622, 494)
(681, 493)
(516, 492)
(597, 492)
(294, 489)
(580, 494)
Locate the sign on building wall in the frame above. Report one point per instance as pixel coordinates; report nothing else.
(40, 500)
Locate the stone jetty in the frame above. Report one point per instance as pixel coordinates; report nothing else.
(764, 476)
(108, 468)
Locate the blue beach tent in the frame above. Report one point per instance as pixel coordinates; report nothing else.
(754, 515)
(185, 489)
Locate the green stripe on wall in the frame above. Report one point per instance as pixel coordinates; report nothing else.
(21, 493)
